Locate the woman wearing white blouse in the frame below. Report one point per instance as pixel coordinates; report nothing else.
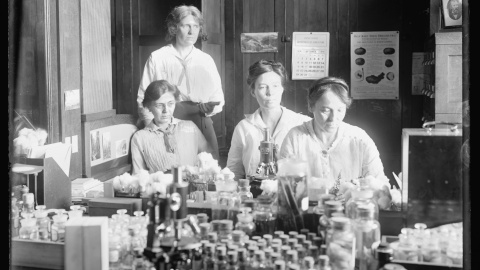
(266, 80)
(334, 149)
(190, 69)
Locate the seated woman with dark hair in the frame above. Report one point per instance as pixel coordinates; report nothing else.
(165, 141)
(335, 150)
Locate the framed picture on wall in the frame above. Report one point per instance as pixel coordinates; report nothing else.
(452, 13)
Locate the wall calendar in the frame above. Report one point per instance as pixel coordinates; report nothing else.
(310, 52)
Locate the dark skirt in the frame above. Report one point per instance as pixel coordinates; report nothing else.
(188, 110)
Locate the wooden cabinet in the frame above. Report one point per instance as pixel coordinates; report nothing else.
(443, 85)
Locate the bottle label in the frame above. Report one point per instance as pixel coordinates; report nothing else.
(113, 256)
(305, 204)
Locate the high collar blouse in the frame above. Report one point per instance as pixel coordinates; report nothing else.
(353, 153)
(149, 151)
(244, 155)
(200, 82)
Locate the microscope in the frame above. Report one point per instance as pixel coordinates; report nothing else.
(171, 238)
(267, 167)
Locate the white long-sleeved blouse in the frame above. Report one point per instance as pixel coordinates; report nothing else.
(353, 154)
(149, 151)
(199, 82)
(244, 155)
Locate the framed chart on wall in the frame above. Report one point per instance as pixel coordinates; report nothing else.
(452, 13)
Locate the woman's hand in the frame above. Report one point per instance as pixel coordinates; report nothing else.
(207, 108)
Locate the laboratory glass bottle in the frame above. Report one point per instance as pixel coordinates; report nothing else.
(225, 230)
(221, 259)
(15, 222)
(360, 195)
(324, 222)
(341, 244)
(324, 262)
(237, 237)
(431, 251)
(245, 223)
(243, 263)
(58, 227)
(406, 249)
(308, 263)
(43, 223)
(28, 202)
(319, 209)
(114, 248)
(279, 265)
(244, 190)
(264, 216)
(232, 260)
(292, 257)
(367, 232)
(258, 260)
(209, 262)
(29, 229)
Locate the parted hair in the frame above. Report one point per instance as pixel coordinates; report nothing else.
(263, 66)
(176, 16)
(156, 89)
(336, 85)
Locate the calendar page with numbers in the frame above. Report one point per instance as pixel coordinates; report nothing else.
(310, 55)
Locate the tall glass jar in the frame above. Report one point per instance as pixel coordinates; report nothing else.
(292, 200)
(58, 227)
(43, 223)
(341, 247)
(367, 232)
(227, 203)
(245, 223)
(264, 216)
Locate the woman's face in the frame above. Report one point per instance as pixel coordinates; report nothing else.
(329, 112)
(268, 90)
(162, 109)
(187, 31)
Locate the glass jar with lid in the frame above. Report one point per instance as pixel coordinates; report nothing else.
(361, 195)
(367, 232)
(58, 227)
(244, 190)
(341, 246)
(264, 216)
(245, 222)
(331, 207)
(227, 203)
(43, 222)
(29, 229)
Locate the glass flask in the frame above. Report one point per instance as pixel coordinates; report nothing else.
(264, 217)
(29, 229)
(367, 232)
(341, 246)
(292, 199)
(58, 227)
(244, 190)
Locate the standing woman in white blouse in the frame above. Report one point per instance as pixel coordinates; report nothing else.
(190, 69)
(334, 149)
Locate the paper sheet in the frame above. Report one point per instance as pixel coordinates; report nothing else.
(60, 152)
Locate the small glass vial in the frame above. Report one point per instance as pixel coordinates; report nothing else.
(58, 227)
(341, 244)
(258, 260)
(237, 238)
(29, 229)
(232, 260)
(244, 190)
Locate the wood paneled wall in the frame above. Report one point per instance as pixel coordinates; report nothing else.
(96, 56)
(381, 119)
